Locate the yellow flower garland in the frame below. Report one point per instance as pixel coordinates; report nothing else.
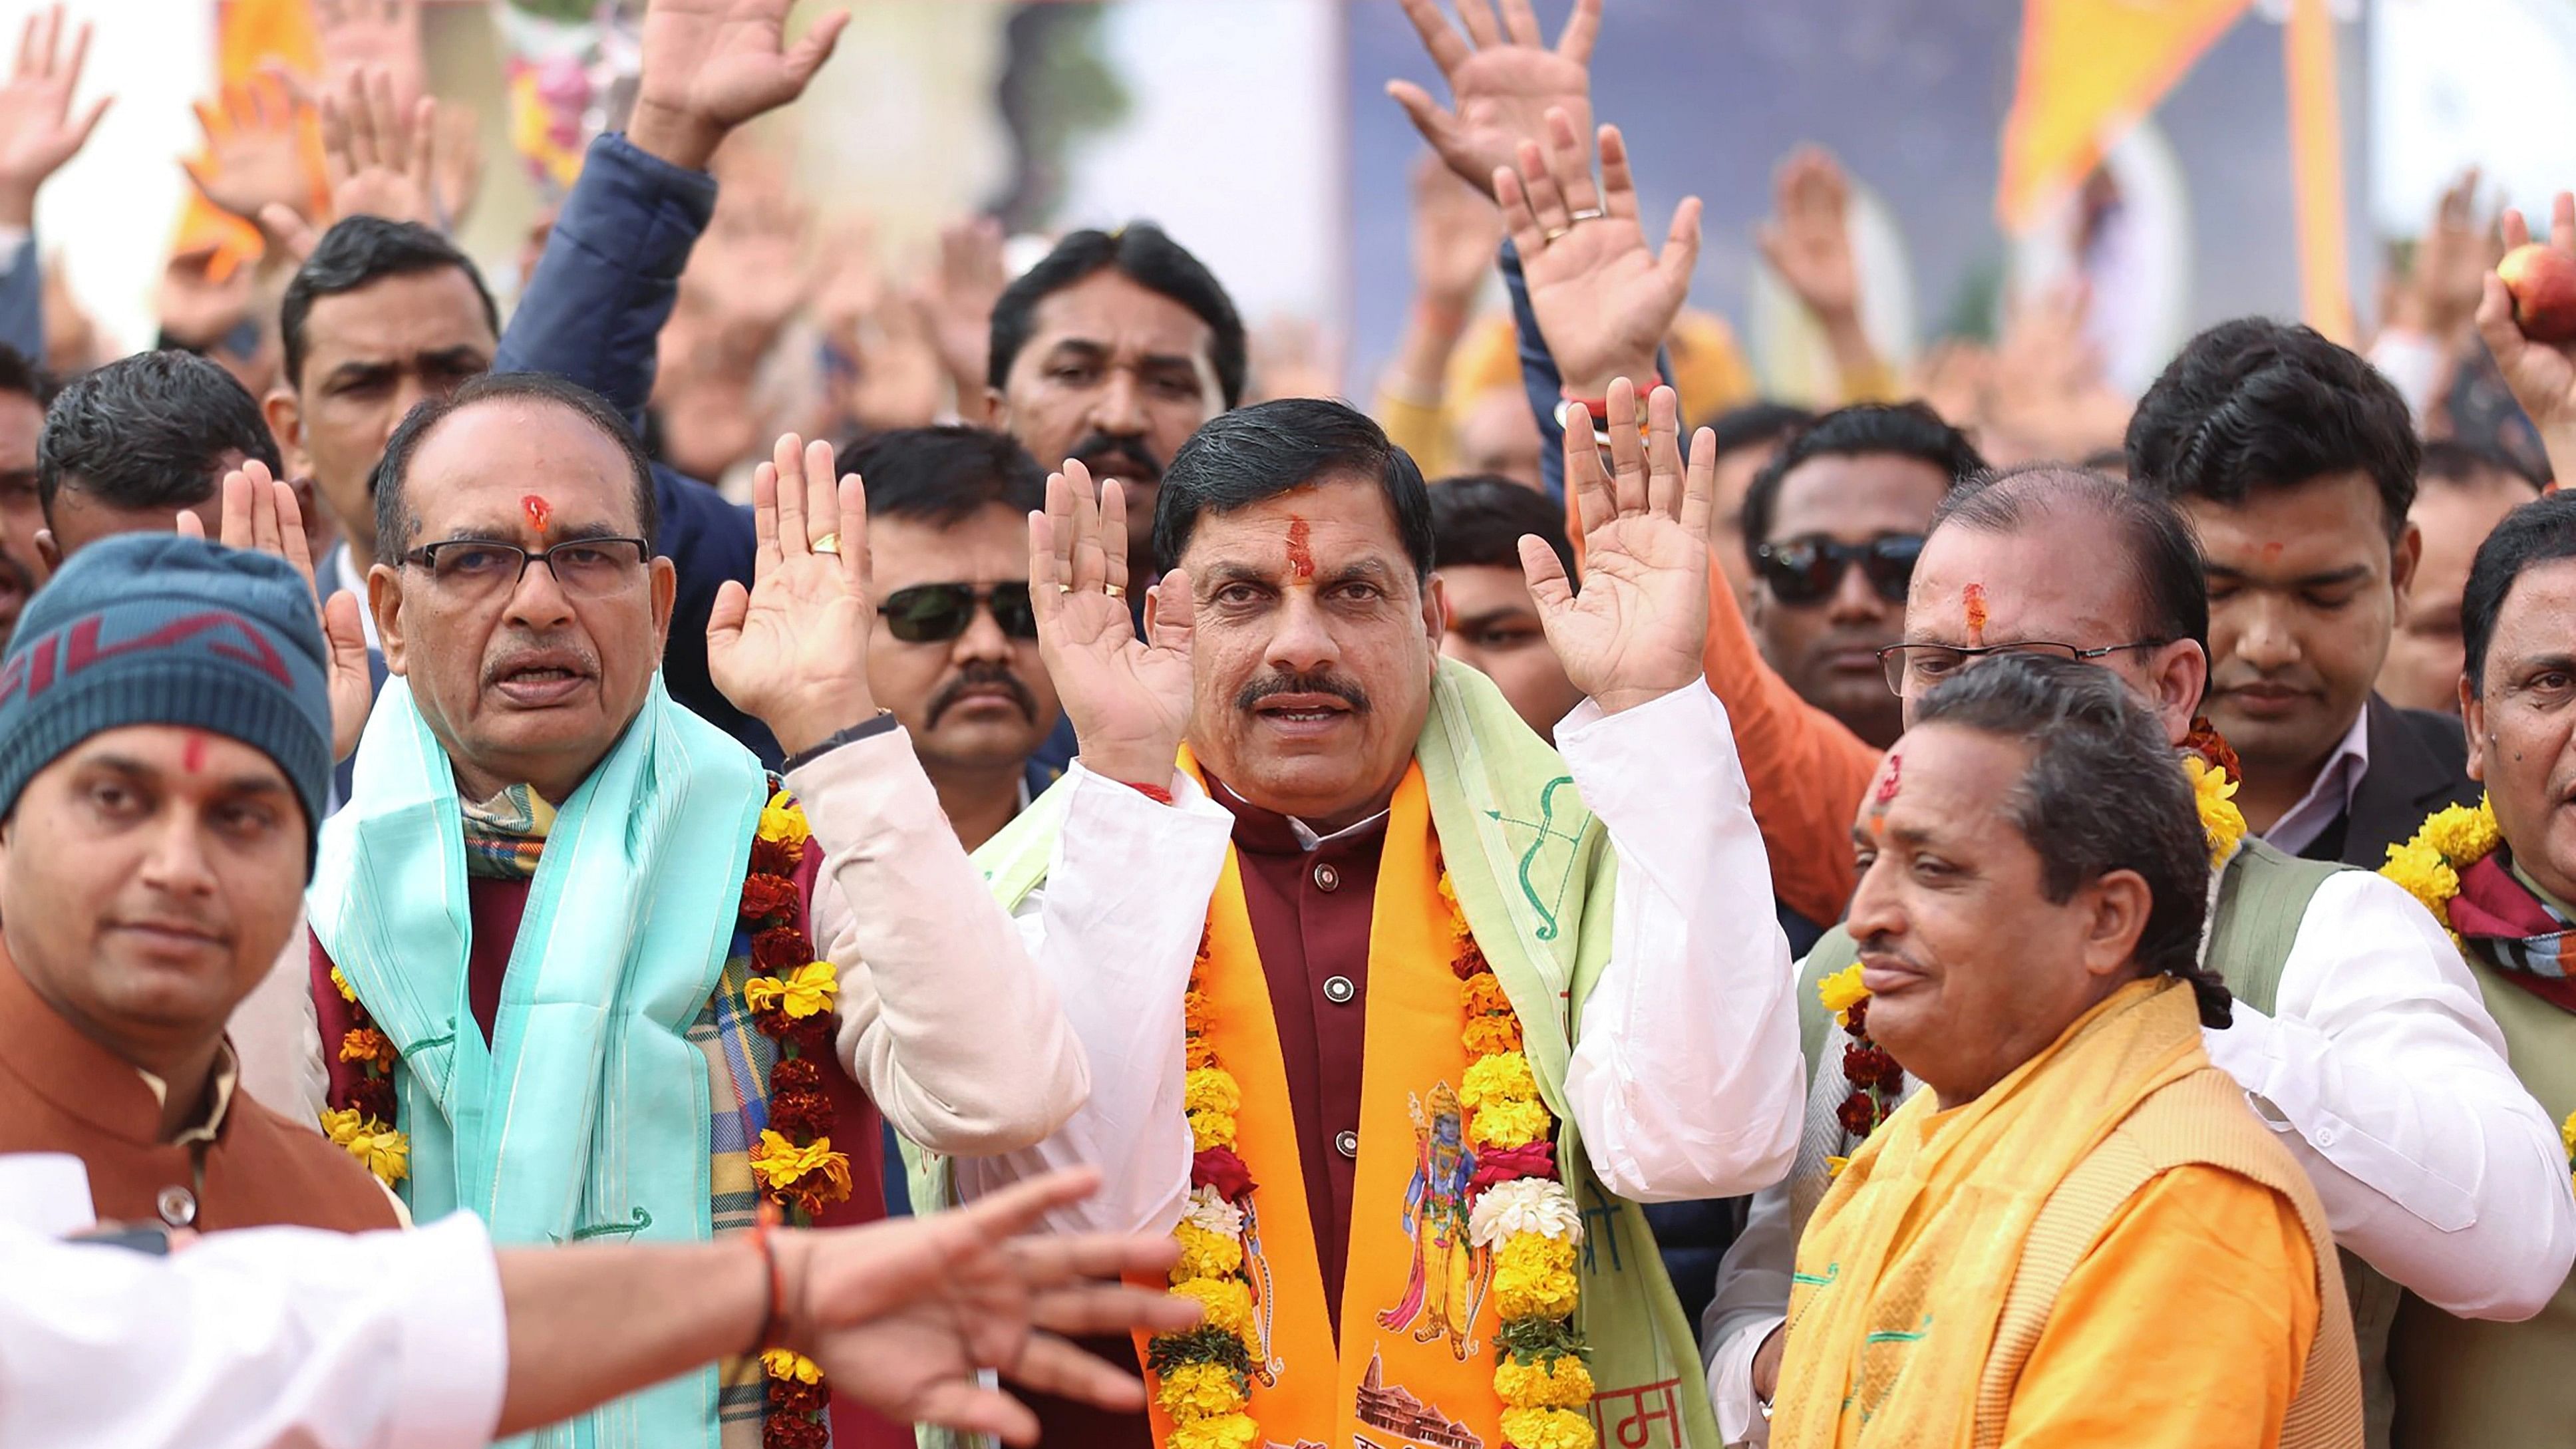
(1206, 1397)
(2450, 841)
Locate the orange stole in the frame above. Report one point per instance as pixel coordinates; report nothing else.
(1416, 1392)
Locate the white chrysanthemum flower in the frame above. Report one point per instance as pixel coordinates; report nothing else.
(1212, 1212)
(1525, 1205)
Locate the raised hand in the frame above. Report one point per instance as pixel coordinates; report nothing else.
(379, 156)
(1603, 301)
(1456, 232)
(2445, 279)
(1635, 629)
(254, 156)
(792, 650)
(261, 514)
(710, 65)
(37, 130)
(904, 1317)
(751, 272)
(382, 36)
(1807, 240)
(958, 297)
(2541, 375)
(1128, 698)
(1503, 80)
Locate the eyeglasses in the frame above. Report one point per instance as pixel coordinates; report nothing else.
(583, 567)
(937, 613)
(1925, 665)
(1808, 570)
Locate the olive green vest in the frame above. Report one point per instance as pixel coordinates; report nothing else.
(2261, 900)
(2471, 1385)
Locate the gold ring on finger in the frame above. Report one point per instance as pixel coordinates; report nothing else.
(1116, 591)
(1589, 213)
(1555, 232)
(829, 543)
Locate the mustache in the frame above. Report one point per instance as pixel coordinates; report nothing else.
(1321, 681)
(983, 674)
(543, 653)
(1100, 450)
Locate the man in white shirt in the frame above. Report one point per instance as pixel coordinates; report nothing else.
(1275, 896)
(2358, 1033)
(432, 1340)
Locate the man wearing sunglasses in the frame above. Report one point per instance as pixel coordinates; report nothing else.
(1833, 524)
(956, 648)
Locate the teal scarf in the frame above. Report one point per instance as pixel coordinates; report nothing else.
(587, 1115)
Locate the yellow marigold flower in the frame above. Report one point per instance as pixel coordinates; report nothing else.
(1483, 995)
(340, 984)
(342, 1125)
(1524, 1292)
(1211, 1129)
(1226, 1431)
(1211, 1089)
(2422, 872)
(1201, 1391)
(2220, 820)
(1547, 1429)
(1228, 1302)
(783, 821)
(2463, 833)
(382, 1151)
(787, 1363)
(1535, 1251)
(1195, 1012)
(1556, 1383)
(778, 1162)
(1205, 1254)
(1841, 992)
(1448, 892)
(1197, 1052)
(366, 1044)
(1509, 1124)
(2567, 1135)
(1494, 1080)
(806, 991)
(1487, 1035)
(1834, 1167)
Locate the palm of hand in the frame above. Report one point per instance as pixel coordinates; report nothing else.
(1599, 296)
(723, 57)
(382, 191)
(807, 626)
(1816, 262)
(1642, 612)
(1502, 96)
(1117, 685)
(34, 142)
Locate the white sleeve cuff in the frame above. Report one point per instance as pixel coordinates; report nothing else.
(453, 1363)
(1730, 1384)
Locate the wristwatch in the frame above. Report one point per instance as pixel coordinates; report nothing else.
(882, 724)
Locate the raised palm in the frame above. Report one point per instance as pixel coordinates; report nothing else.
(1603, 301)
(1635, 628)
(1503, 80)
(1808, 240)
(38, 132)
(374, 35)
(1128, 698)
(260, 513)
(792, 650)
(726, 61)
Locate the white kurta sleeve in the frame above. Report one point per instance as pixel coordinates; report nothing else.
(1752, 1300)
(2386, 1079)
(1116, 928)
(270, 1336)
(953, 1031)
(1686, 1080)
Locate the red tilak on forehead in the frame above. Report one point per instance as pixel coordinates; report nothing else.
(192, 755)
(1976, 597)
(2272, 551)
(1301, 559)
(1887, 781)
(540, 513)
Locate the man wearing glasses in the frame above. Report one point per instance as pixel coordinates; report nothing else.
(591, 970)
(955, 655)
(1833, 524)
(2357, 1033)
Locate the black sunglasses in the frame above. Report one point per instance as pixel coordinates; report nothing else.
(1808, 570)
(937, 613)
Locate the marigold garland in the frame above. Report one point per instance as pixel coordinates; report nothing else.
(2451, 840)
(792, 1003)
(1204, 1376)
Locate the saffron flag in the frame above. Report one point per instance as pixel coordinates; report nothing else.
(2088, 67)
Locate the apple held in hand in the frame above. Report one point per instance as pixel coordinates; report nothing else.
(2543, 283)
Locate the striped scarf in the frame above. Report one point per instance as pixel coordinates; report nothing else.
(506, 834)
(2520, 932)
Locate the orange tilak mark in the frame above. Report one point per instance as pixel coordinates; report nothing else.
(1976, 596)
(1301, 559)
(2272, 551)
(192, 755)
(540, 513)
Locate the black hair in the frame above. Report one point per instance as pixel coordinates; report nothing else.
(2257, 404)
(360, 251)
(945, 475)
(1240, 457)
(394, 523)
(2541, 531)
(2103, 792)
(2448, 460)
(1142, 254)
(147, 431)
(2172, 588)
(1479, 519)
(2109, 462)
(25, 377)
(1902, 430)
(1750, 425)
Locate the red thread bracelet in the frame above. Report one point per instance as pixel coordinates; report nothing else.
(763, 1219)
(1155, 793)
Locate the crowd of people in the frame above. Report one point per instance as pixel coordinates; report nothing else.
(565, 875)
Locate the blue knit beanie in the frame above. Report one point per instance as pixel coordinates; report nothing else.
(153, 628)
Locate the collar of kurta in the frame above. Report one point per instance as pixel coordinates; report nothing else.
(92, 1084)
(1267, 832)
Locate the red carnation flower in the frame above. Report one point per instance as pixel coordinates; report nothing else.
(1498, 1165)
(1886, 1073)
(802, 1115)
(795, 1074)
(794, 1431)
(781, 948)
(1857, 1017)
(811, 1035)
(774, 1023)
(1857, 1114)
(373, 1097)
(766, 895)
(1469, 961)
(792, 1397)
(775, 857)
(1219, 1168)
